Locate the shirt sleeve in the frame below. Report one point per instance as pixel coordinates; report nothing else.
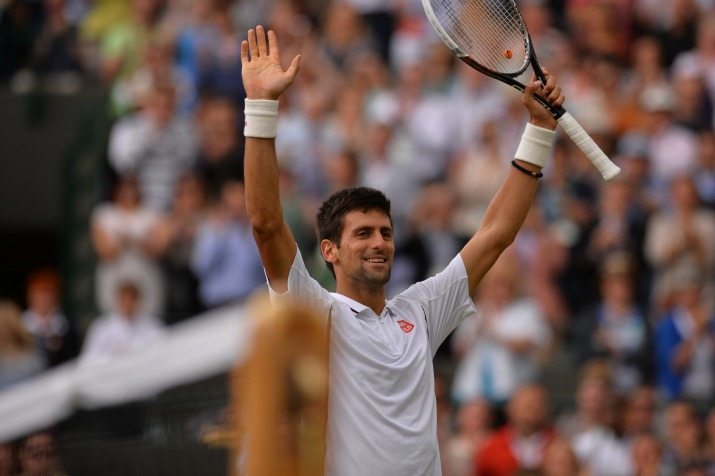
(304, 288)
(444, 299)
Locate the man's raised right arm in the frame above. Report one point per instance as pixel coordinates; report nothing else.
(264, 81)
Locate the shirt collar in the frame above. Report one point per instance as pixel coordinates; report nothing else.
(356, 307)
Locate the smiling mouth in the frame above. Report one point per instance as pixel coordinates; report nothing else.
(376, 260)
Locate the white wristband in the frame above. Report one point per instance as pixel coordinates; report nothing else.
(535, 145)
(261, 118)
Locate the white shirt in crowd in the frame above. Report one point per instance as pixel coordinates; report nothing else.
(113, 335)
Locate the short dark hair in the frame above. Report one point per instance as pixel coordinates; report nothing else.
(333, 210)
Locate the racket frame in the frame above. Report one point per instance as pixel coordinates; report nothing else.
(605, 166)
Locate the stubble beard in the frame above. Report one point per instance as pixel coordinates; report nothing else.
(374, 279)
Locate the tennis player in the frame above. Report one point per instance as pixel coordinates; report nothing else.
(382, 411)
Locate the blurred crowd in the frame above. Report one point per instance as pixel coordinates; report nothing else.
(616, 279)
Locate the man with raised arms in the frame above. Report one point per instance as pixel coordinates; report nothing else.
(382, 414)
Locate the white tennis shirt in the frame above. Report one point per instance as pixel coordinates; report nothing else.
(382, 415)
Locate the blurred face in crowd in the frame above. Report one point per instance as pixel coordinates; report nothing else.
(684, 193)
(646, 452)
(217, 123)
(559, 460)
(128, 300)
(6, 460)
(710, 428)
(474, 416)
(617, 289)
(160, 105)
(682, 427)
(126, 193)
(38, 456)
(342, 170)
(528, 409)
(615, 198)
(593, 397)
(640, 410)
(233, 196)
(500, 285)
(145, 11)
(189, 195)
(342, 25)
(43, 294)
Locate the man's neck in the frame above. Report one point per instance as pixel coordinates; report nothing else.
(372, 298)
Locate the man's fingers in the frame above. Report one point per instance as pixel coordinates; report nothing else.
(261, 40)
(244, 52)
(293, 68)
(273, 44)
(252, 46)
(532, 88)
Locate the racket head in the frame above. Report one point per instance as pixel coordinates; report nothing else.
(490, 33)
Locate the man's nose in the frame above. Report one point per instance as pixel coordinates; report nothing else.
(377, 241)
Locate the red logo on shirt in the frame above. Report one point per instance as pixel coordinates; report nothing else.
(406, 326)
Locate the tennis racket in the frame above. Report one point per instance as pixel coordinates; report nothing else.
(491, 37)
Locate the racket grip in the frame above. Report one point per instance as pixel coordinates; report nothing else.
(576, 132)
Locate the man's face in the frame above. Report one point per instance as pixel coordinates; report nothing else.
(528, 410)
(366, 250)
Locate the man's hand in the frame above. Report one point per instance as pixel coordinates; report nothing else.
(263, 76)
(551, 92)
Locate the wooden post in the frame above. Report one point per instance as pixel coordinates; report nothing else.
(281, 393)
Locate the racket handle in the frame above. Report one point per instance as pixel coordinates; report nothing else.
(603, 164)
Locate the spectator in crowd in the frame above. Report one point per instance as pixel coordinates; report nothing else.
(38, 456)
(521, 444)
(710, 435)
(121, 235)
(220, 153)
(53, 332)
(225, 257)
(672, 149)
(685, 343)
(640, 411)
(172, 242)
(20, 358)
(122, 331)
(679, 240)
(155, 144)
(220, 73)
(433, 217)
(701, 58)
(122, 46)
(705, 172)
(683, 439)
(594, 402)
(18, 30)
(57, 52)
(616, 329)
(559, 460)
(477, 173)
(606, 450)
(195, 36)
(343, 34)
(647, 453)
(500, 346)
(156, 67)
(621, 224)
(8, 462)
(473, 428)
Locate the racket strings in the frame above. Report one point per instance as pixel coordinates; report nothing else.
(490, 31)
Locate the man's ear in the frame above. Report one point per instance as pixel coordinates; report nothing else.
(329, 251)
